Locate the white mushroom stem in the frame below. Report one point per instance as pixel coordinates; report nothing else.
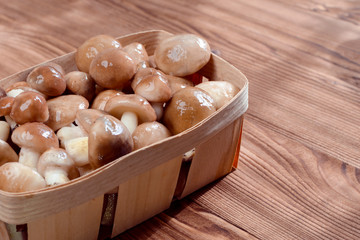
(29, 157)
(78, 150)
(4, 130)
(55, 176)
(11, 122)
(130, 120)
(65, 134)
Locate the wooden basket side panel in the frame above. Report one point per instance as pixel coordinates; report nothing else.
(213, 158)
(146, 195)
(81, 222)
(3, 231)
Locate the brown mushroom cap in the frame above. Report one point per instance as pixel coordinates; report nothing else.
(86, 117)
(29, 107)
(177, 83)
(47, 80)
(2, 93)
(36, 136)
(7, 154)
(144, 72)
(138, 53)
(154, 88)
(112, 68)
(6, 104)
(182, 55)
(149, 133)
(117, 105)
(90, 48)
(15, 177)
(62, 110)
(187, 107)
(80, 83)
(109, 139)
(102, 98)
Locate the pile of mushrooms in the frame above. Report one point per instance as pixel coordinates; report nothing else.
(58, 126)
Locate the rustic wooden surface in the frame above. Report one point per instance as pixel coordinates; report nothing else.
(298, 175)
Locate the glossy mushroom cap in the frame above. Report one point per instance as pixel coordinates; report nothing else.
(144, 72)
(62, 110)
(29, 107)
(112, 68)
(6, 104)
(222, 92)
(86, 117)
(117, 105)
(7, 154)
(148, 133)
(90, 48)
(102, 98)
(47, 80)
(36, 136)
(182, 55)
(154, 88)
(15, 177)
(186, 108)
(177, 83)
(138, 53)
(109, 139)
(80, 83)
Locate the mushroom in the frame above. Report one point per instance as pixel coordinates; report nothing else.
(80, 83)
(102, 98)
(86, 117)
(222, 92)
(109, 139)
(6, 104)
(62, 110)
(33, 139)
(67, 133)
(90, 48)
(47, 79)
(177, 83)
(182, 55)
(138, 53)
(2, 93)
(7, 154)
(148, 133)
(15, 177)
(29, 107)
(57, 167)
(112, 68)
(186, 108)
(4, 130)
(78, 150)
(20, 87)
(131, 109)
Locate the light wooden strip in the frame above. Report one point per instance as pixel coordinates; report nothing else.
(3, 232)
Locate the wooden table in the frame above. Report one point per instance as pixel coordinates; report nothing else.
(298, 176)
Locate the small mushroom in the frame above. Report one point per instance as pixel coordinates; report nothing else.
(78, 150)
(6, 104)
(177, 83)
(148, 133)
(132, 109)
(86, 117)
(112, 68)
(15, 177)
(67, 133)
(222, 92)
(109, 139)
(7, 154)
(138, 53)
(4, 130)
(182, 55)
(102, 98)
(62, 110)
(80, 83)
(186, 108)
(57, 167)
(90, 48)
(29, 107)
(47, 80)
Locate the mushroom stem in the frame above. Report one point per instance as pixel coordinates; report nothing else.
(56, 177)
(130, 120)
(29, 157)
(4, 130)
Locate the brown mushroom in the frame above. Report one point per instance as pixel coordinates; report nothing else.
(90, 48)
(29, 107)
(47, 80)
(154, 88)
(182, 55)
(6, 104)
(112, 68)
(57, 167)
(138, 53)
(7, 153)
(80, 83)
(4, 130)
(15, 177)
(177, 83)
(102, 98)
(148, 133)
(86, 117)
(186, 108)
(109, 139)
(131, 109)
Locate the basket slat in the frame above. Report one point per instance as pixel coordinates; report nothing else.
(3, 231)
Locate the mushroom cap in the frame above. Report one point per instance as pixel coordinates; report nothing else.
(16, 177)
(177, 83)
(47, 80)
(62, 110)
(4, 130)
(222, 92)
(7, 154)
(112, 68)
(102, 98)
(138, 53)
(186, 108)
(109, 139)
(57, 158)
(142, 73)
(6, 104)
(15, 85)
(29, 107)
(36, 136)
(86, 117)
(154, 88)
(117, 105)
(90, 48)
(182, 55)
(2, 93)
(148, 133)
(80, 83)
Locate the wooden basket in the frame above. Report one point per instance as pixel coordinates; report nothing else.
(145, 180)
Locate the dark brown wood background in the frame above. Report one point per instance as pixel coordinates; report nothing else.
(298, 176)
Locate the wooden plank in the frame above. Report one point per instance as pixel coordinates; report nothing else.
(3, 231)
(82, 222)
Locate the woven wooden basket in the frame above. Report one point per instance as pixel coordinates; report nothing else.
(145, 180)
